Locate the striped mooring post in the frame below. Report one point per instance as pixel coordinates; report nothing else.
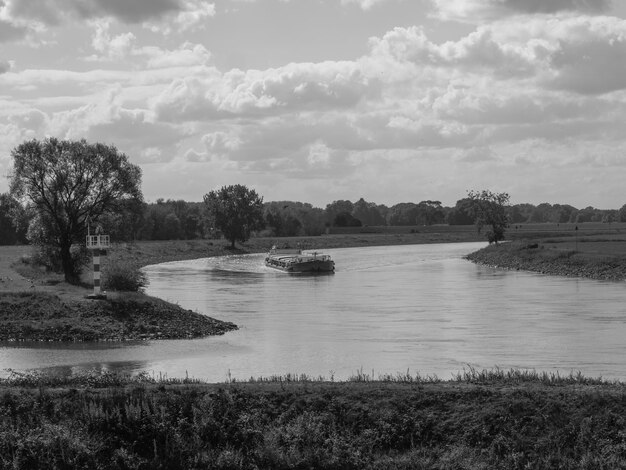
(97, 244)
(97, 291)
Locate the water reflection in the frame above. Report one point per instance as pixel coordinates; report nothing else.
(420, 307)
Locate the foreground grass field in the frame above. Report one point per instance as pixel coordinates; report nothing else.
(479, 420)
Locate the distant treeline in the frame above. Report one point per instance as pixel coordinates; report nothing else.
(178, 219)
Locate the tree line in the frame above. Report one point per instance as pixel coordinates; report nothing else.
(182, 220)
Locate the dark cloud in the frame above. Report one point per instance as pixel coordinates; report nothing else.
(51, 12)
(596, 66)
(127, 11)
(10, 32)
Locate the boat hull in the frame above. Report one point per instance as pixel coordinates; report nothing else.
(304, 267)
(295, 261)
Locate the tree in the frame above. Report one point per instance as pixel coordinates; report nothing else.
(367, 213)
(430, 213)
(13, 221)
(490, 209)
(461, 213)
(337, 207)
(68, 183)
(236, 210)
(283, 219)
(345, 219)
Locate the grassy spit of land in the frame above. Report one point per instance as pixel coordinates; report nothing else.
(598, 253)
(478, 420)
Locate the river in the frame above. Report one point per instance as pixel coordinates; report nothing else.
(386, 310)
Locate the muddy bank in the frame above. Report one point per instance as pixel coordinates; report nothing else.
(551, 260)
(41, 316)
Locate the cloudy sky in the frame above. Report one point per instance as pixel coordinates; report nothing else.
(319, 100)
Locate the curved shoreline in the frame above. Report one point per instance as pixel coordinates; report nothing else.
(544, 259)
(41, 307)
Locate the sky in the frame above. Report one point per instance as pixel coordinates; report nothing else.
(321, 100)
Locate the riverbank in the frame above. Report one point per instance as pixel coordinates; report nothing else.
(43, 316)
(36, 305)
(597, 258)
(479, 420)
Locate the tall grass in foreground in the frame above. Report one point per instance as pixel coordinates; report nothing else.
(469, 375)
(111, 421)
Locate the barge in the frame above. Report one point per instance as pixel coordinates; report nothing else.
(294, 260)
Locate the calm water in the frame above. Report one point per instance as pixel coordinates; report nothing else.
(420, 308)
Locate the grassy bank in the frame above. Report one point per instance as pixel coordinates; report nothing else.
(493, 420)
(592, 257)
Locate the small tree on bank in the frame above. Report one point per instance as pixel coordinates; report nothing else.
(236, 211)
(66, 183)
(490, 209)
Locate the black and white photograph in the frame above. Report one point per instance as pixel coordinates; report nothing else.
(312, 234)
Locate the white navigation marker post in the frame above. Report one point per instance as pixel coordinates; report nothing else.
(97, 244)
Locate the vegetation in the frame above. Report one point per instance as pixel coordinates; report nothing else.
(182, 220)
(236, 210)
(13, 221)
(67, 184)
(43, 316)
(490, 209)
(480, 419)
(603, 257)
(120, 275)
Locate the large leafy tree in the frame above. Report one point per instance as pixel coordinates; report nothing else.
(236, 210)
(68, 183)
(490, 209)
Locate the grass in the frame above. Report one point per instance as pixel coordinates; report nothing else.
(492, 419)
(595, 258)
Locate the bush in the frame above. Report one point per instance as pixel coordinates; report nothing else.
(49, 256)
(122, 276)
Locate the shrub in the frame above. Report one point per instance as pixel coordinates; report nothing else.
(49, 256)
(122, 276)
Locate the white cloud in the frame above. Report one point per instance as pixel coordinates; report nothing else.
(187, 55)
(320, 86)
(479, 11)
(110, 48)
(364, 4)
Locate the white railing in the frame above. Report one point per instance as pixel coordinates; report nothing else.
(95, 242)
